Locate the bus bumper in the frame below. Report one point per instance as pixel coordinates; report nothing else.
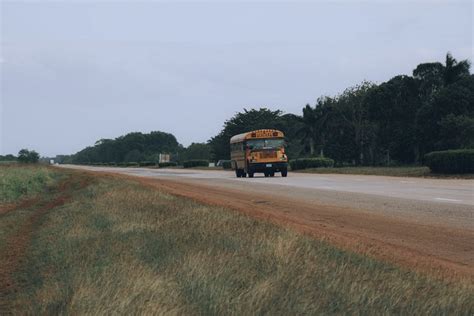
(268, 167)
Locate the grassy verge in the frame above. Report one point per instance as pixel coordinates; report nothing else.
(387, 171)
(19, 181)
(117, 246)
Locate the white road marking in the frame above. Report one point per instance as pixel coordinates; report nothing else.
(448, 200)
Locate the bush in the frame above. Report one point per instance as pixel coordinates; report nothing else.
(195, 163)
(147, 163)
(131, 164)
(305, 163)
(28, 156)
(167, 164)
(451, 161)
(227, 164)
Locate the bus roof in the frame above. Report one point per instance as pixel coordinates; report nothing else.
(260, 133)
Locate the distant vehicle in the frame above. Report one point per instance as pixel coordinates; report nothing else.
(259, 151)
(221, 163)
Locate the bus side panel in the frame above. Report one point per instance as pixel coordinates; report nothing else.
(238, 159)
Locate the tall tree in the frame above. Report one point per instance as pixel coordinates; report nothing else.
(434, 76)
(450, 97)
(392, 110)
(352, 109)
(454, 70)
(308, 129)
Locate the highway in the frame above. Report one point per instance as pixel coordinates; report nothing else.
(420, 189)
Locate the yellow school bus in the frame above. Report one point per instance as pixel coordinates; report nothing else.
(259, 151)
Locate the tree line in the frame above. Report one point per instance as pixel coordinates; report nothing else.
(24, 156)
(394, 122)
(137, 147)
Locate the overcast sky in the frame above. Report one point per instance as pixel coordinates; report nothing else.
(73, 72)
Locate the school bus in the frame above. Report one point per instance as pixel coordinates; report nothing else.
(259, 151)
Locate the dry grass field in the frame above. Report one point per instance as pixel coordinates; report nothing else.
(98, 244)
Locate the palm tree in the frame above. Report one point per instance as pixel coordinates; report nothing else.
(435, 76)
(454, 70)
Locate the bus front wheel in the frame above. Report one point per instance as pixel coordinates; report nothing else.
(284, 173)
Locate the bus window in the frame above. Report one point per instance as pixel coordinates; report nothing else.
(265, 143)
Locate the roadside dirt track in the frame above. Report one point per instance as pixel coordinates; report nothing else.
(16, 244)
(433, 238)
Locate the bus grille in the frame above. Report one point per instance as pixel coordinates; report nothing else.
(268, 154)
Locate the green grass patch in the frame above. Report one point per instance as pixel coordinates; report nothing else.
(121, 248)
(19, 181)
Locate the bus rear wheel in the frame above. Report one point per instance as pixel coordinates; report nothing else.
(250, 174)
(284, 173)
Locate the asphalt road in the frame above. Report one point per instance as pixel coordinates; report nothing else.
(448, 191)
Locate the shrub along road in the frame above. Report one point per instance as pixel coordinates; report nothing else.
(426, 224)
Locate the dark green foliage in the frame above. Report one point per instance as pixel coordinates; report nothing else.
(8, 158)
(452, 112)
(195, 163)
(28, 156)
(199, 151)
(134, 155)
(392, 109)
(394, 123)
(167, 164)
(305, 163)
(147, 163)
(132, 147)
(254, 119)
(451, 161)
(226, 164)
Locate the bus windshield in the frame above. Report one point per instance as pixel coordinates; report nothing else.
(265, 143)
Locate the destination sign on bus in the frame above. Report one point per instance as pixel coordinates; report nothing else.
(265, 133)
